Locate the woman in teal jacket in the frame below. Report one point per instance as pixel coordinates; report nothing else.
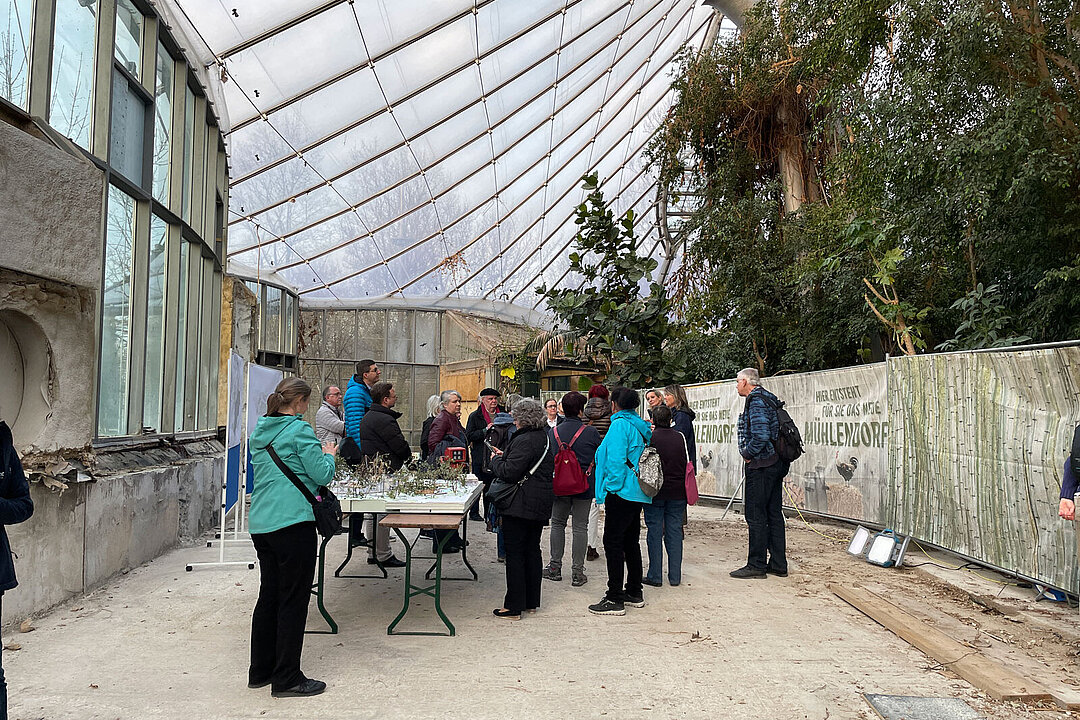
(617, 489)
(282, 526)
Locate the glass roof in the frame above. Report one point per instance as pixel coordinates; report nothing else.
(430, 153)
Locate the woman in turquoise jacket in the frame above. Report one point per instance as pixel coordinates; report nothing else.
(282, 526)
(617, 488)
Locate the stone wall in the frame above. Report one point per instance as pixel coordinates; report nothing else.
(80, 537)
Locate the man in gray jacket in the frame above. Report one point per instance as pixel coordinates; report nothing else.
(330, 419)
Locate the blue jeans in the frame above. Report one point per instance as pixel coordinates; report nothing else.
(664, 522)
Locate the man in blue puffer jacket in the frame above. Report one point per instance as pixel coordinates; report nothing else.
(758, 428)
(358, 396)
(618, 489)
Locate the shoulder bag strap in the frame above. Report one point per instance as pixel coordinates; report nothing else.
(685, 447)
(547, 446)
(287, 471)
(644, 440)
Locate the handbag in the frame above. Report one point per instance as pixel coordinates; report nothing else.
(325, 506)
(501, 494)
(691, 475)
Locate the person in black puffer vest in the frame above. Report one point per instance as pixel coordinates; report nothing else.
(524, 519)
(15, 507)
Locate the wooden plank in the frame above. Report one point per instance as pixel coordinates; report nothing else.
(1004, 654)
(990, 677)
(424, 521)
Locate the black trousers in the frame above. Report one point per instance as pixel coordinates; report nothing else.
(287, 567)
(524, 563)
(622, 545)
(765, 517)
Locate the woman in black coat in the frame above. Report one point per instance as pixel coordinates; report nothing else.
(524, 518)
(15, 507)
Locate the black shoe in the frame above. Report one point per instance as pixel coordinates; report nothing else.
(476, 517)
(636, 601)
(391, 562)
(607, 607)
(451, 547)
(550, 573)
(777, 573)
(651, 583)
(591, 554)
(747, 572)
(305, 689)
(255, 685)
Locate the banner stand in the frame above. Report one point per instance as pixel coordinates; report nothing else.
(731, 500)
(238, 517)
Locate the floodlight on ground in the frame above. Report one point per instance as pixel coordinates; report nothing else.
(887, 549)
(859, 541)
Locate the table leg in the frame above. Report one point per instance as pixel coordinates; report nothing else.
(368, 542)
(412, 591)
(464, 554)
(318, 590)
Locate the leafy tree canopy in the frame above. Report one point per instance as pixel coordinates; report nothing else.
(878, 176)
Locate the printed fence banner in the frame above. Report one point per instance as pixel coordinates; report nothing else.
(978, 453)
(261, 382)
(844, 421)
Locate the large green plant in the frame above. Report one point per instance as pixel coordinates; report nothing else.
(612, 322)
(863, 165)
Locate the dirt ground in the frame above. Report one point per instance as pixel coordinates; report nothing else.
(159, 642)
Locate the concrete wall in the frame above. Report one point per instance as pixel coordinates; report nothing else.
(79, 538)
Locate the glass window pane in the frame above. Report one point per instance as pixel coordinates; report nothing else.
(427, 337)
(338, 335)
(271, 331)
(163, 104)
(116, 316)
(155, 324)
(206, 346)
(73, 69)
(288, 345)
(129, 32)
(371, 335)
(181, 338)
(427, 384)
(128, 122)
(401, 376)
(15, 19)
(399, 334)
(189, 150)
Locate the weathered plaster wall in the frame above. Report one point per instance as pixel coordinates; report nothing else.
(50, 210)
(78, 539)
(50, 267)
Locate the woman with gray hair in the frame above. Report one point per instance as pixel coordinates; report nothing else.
(528, 460)
(446, 430)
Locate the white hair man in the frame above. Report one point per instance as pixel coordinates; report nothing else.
(330, 418)
(758, 428)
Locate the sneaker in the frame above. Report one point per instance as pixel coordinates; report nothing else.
(591, 554)
(747, 572)
(305, 689)
(579, 579)
(636, 601)
(607, 607)
(552, 573)
(652, 583)
(777, 573)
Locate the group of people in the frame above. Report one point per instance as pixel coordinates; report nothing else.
(513, 445)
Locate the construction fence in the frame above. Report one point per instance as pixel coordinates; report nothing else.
(963, 450)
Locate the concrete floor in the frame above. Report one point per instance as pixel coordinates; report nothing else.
(163, 643)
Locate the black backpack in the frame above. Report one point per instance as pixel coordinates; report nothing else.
(788, 442)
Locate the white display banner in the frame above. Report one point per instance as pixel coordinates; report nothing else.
(261, 382)
(844, 421)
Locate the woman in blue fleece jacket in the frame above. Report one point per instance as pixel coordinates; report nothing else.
(282, 526)
(617, 489)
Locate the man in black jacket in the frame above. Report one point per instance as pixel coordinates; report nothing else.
(476, 427)
(15, 507)
(380, 435)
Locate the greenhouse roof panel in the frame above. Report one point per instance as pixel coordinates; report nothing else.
(431, 153)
